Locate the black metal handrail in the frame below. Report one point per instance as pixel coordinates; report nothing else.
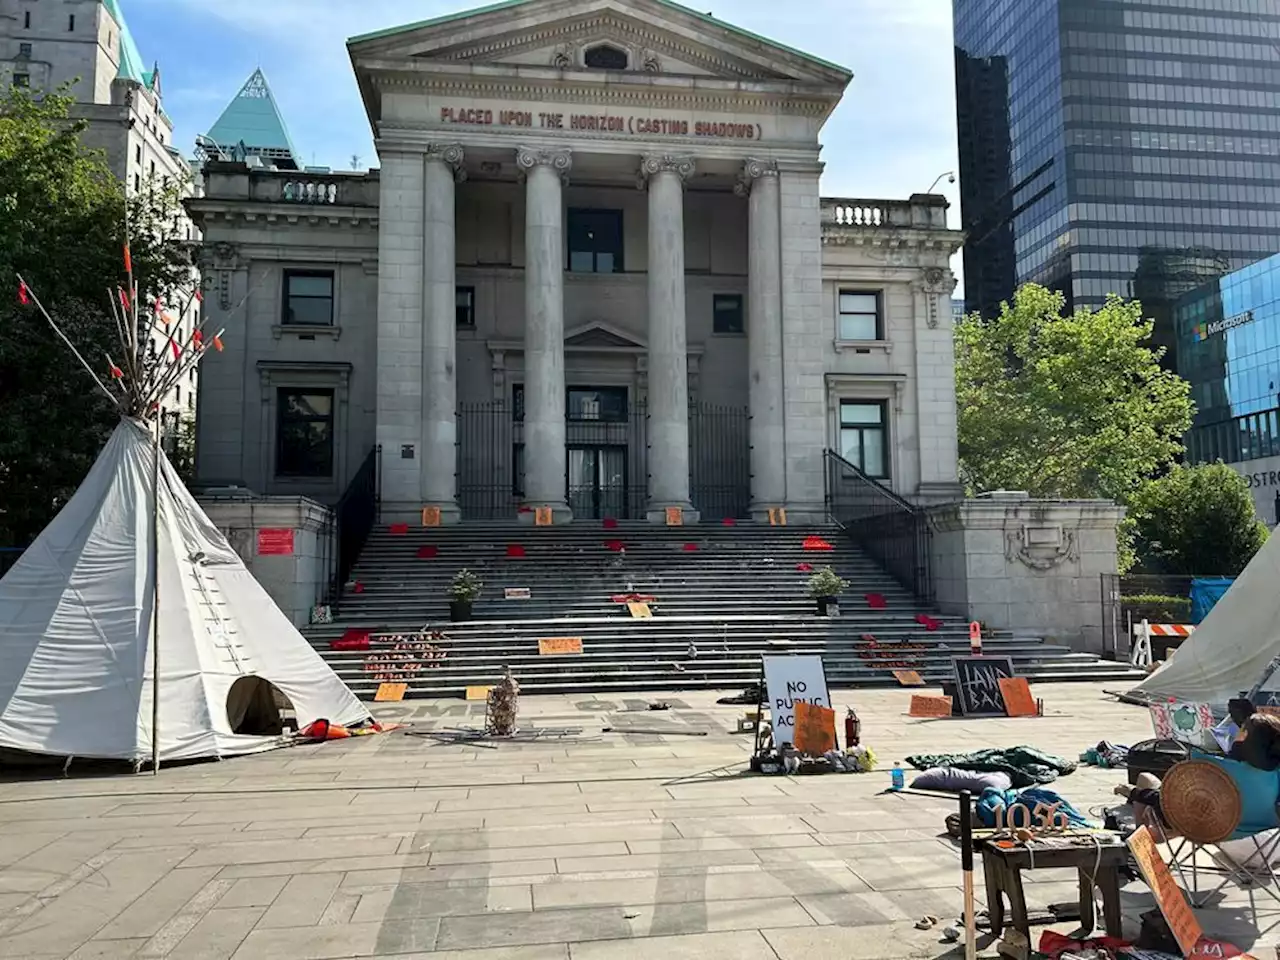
(354, 519)
(894, 531)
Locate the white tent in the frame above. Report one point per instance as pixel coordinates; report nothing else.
(1230, 652)
(76, 627)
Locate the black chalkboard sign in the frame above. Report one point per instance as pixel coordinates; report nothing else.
(977, 684)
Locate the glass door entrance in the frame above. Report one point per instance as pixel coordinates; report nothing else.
(597, 481)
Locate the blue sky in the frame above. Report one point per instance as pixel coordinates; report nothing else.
(892, 136)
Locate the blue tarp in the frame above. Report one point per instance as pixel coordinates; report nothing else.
(1205, 593)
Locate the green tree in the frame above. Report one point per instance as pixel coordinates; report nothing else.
(1196, 520)
(1065, 406)
(62, 227)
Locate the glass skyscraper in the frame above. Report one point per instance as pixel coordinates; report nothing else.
(1116, 146)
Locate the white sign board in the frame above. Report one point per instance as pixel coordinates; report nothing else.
(791, 680)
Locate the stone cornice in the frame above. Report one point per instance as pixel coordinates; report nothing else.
(649, 91)
(206, 210)
(890, 238)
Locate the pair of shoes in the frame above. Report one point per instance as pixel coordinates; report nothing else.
(926, 923)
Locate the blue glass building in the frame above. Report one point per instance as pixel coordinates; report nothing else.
(1116, 146)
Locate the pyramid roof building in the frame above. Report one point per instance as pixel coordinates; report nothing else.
(78, 617)
(252, 126)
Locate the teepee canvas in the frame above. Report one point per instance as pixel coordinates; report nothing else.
(130, 629)
(1230, 652)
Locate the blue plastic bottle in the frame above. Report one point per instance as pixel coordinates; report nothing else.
(899, 778)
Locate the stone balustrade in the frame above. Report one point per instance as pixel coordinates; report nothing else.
(309, 191)
(225, 180)
(922, 211)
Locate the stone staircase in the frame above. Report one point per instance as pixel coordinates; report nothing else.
(725, 595)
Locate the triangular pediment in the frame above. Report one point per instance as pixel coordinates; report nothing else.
(601, 334)
(646, 37)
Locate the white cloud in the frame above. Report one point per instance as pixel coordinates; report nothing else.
(891, 137)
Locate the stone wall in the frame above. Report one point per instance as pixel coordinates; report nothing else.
(298, 581)
(1029, 566)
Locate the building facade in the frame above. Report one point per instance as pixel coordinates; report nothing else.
(1229, 351)
(1116, 146)
(594, 273)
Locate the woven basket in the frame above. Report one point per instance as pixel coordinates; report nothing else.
(1200, 801)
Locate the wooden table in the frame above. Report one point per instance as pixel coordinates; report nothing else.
(1002, 868)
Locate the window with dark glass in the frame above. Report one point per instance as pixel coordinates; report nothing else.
(595, 241)
(466, 302)
(71, 22)
(26, 20)
(304, 433)
(24, 51)
(22, 80)
(308, 298)
(606, 57)
(517, 470)
(727, 313)
(860, 315)
(864, 436)
(582, 404)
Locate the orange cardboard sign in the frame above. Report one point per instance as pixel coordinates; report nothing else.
(431, 516)
(926, 705)
(777, 516)
(543, 517)
(1018, 701)
(815, 728)
(908, 678)
(675, 517)
(559, 646)
(1169, 897)
(640, 611)
(390, 692)
(478, 693)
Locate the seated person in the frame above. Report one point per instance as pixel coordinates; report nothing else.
(1258, 745)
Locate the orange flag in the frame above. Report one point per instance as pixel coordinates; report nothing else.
(128, 260)
(217, 343)
(22, 294)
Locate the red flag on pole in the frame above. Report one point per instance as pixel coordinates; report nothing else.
(124, 299)
(116, 372)
(217, 343)
(174, 345)
(197, 338)
(128, 261)
(22, 294)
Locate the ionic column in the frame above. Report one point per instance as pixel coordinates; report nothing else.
(544, 434)
(759, 182)
(443, 167)
(668, 353)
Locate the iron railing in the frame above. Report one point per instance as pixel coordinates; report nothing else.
(607, 460)
(353, 520)
(1127, 600)
(892, 530)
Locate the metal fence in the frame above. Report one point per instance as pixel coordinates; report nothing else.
(892, 530)
(353, 520)
(607, 472)
(1127, 600)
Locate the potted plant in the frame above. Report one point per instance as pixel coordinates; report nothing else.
(825, 587)
(463, 592)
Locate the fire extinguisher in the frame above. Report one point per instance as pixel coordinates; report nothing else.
(852, 729)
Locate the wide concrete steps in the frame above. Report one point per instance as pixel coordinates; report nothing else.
(725, 596)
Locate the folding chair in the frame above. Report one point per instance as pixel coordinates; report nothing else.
(1209, 800)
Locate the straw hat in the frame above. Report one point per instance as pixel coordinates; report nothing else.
(1200, 801)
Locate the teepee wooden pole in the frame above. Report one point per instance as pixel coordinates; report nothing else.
(155, 601)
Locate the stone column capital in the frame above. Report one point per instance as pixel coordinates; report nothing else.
(652, 164)
(451, 155)
(754, 169)
(561, 161)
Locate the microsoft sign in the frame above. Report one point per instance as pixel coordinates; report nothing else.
(1203, 331)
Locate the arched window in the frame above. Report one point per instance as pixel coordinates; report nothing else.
(606, 57)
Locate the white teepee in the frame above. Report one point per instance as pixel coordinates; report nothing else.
(1229, 653)
(76, 626)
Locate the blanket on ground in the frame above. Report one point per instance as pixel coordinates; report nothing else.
(1026, 766)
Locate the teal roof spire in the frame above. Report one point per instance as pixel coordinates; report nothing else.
(129, 55)
(252, 121)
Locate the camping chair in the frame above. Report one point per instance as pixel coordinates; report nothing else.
(1208, 800)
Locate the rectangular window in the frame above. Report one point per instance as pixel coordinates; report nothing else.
(22, 80)
(517, 470)
(24, 51)
(26, 20)
(595, 241)
(71, 22)
(606, 404)
(466, 301)
(304, 433)
(860, 315)
(727, 312)
(864, 436)
(308, 298)
(137, 152)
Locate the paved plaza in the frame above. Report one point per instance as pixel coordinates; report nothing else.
(584, 845)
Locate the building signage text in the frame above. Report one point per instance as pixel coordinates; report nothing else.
(1207, 330)
(602, 123)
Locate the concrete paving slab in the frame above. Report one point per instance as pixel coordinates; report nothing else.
(340, 942)
(302, 902)
(739, 946)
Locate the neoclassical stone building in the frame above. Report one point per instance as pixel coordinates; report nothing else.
(593, 272)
